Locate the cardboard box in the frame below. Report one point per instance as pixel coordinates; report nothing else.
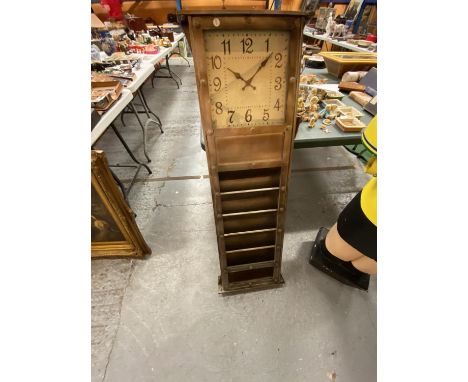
(104, 94)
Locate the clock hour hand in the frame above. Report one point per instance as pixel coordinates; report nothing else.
(262, 64)
(239, 77)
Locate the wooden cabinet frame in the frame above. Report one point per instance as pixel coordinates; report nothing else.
(259, 156)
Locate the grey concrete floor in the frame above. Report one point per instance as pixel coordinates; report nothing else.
(161, 319)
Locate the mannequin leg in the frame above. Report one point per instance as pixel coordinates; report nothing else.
(341, 254)
(365, 264)
(335, 257)
(340, 248)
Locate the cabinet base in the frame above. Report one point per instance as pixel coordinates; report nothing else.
(252, 285)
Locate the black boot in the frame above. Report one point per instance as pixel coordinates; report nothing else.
(340, 270)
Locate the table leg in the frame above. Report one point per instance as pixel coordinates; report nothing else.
(138, 166)
(126, 191)
(142, 129)
(180, 54)
(120, 184)
(145, 103)
(147, 111)
(122, 117)
(128, 149)
(171, 72)
(156, 68)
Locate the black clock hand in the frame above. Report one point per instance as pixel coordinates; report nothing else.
(239, 77)
(262, 64)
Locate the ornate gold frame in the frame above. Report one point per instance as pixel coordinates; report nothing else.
(104, 184)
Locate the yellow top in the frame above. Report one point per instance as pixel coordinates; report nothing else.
(369, 192)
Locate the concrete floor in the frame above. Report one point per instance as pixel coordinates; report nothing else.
(161, 319)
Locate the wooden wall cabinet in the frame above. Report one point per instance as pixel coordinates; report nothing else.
(247, 69)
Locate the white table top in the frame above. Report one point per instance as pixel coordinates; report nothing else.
(112, 113)
(140, 77)
(343, 44)
(147, 67)
(148, 62)
(153, 59)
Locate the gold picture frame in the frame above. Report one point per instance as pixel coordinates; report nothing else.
(114, 232)
(352, 10)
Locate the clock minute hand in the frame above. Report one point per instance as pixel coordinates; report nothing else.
(262, 64)
(239, 77)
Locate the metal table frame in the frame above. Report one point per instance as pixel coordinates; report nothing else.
(138, 165)
(170, 72)
(146, 110)
(136, 88)
(168, 54)
(102, 129)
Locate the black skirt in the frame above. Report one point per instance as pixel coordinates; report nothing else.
(357, 230)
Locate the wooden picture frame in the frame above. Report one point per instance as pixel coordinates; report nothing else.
(352, 10)
(114, 232)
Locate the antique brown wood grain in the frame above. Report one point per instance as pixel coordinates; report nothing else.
(249, 166)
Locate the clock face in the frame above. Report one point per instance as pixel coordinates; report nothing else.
(247, 73)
